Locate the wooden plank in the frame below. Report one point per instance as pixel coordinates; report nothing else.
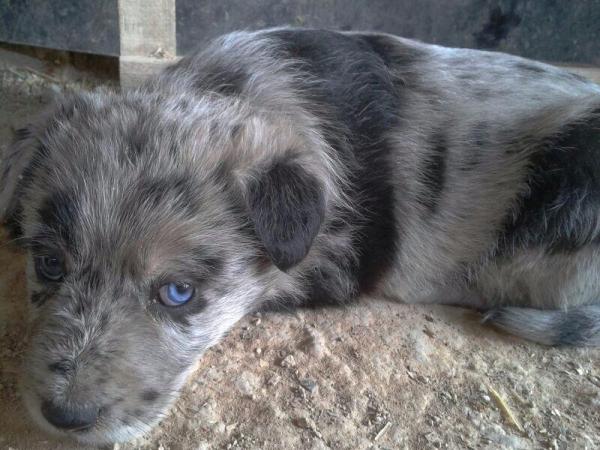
(147, 38)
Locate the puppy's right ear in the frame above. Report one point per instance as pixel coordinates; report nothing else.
(16, 163)
(286, 204)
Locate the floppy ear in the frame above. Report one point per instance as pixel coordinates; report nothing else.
(286, 205)
(16, 162)
(24, 154)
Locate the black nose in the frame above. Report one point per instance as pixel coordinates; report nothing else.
(67, 418)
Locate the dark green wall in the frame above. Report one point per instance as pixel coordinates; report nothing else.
(551, 30)
(79, 25)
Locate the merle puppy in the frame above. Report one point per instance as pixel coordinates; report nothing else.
(295, 167)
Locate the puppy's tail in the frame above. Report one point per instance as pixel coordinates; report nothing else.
(578, 326)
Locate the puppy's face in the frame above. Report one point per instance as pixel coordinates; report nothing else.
(140, 257)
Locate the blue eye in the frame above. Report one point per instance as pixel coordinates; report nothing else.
(175, 294)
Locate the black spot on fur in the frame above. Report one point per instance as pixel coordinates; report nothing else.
(497, 28)
(223, 80)
(15, 211)
(136, 143)
(333, 284)
(22, 134)
(206, 263)
(150, 395)
(433, 173)
(574, 329)
(358, 94)
(58, 212)
(578, 326)
(387, 49)
(559, 208)
(176, 192)
(62, 367)
(321, 293)
(286, 206)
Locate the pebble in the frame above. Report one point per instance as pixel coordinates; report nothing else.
(246, 384)
(421, 345)
(477, 365)
(313, 343)
(302, 422)
(498, 435)
(594, 399)
(310, 385)
(212, 374)
(289, 361)
(206, 415)
(274, 380)
(319, 445)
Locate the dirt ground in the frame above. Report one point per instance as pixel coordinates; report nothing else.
(376, 375)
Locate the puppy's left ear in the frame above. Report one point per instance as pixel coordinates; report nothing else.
(287, 205)
(13, 177)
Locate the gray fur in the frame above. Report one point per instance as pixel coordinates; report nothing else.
(576, 326)
(416, 175)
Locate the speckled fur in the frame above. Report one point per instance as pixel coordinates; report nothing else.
(298, 167)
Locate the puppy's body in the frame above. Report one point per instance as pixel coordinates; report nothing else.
(291, 167)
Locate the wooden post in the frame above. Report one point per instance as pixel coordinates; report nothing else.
(147, 36)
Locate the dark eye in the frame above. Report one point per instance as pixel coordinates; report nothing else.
(50, 268)
(175, 294)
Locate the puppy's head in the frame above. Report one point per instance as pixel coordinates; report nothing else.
(152, 225)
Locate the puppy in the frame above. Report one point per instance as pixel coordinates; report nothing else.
(293, 167)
